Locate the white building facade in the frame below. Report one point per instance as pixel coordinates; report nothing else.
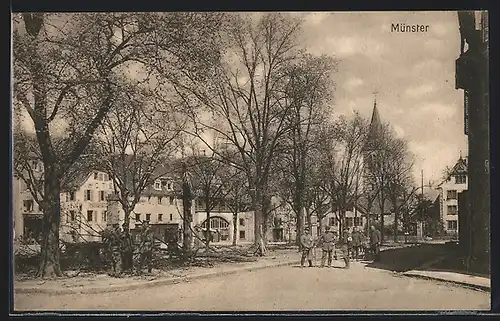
(448, 196)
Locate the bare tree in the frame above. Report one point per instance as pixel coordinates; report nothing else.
(345, 160)
(310, 90)
(389, 166)
(247, 100)
(67, 71)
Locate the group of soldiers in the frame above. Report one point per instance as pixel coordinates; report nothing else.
(351, 245)
(120, 248)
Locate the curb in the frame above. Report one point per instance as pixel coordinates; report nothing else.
(147, 284)
(461, 283)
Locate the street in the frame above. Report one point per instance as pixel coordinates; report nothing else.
(279, 288)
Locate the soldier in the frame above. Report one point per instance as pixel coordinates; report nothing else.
(344, 247)
(146, 246)
(115, 247)
(327, 245)
(356, 243)
(307, 242)
(375, 243)
(127, 249)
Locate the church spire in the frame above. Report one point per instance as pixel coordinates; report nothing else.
(375, 123)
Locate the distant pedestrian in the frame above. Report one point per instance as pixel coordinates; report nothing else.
(115, 248)
(127, 249)
(327, 242)
(146, 247)
(356, 243)
(307, 242)
(343, 244)
(375, 240)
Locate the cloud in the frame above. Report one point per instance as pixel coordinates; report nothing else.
(433, 156)
(420, 90)
(345, 46)
(353, 83)
(399, 131)
(316, 18)
(440, 110)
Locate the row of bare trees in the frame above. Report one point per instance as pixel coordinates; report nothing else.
(126, 92)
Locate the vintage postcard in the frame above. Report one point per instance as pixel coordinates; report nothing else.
(251, 161)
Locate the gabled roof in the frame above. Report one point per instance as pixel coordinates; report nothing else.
(460, 168)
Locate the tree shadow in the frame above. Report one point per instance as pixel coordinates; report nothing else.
(409, 258)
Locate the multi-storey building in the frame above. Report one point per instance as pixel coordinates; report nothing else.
(449, 191)
(83, 206)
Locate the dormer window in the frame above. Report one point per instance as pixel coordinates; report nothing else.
(169, 186)
(157, 185)
(460, 179)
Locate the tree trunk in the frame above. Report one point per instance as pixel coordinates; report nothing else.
(259, 221)
(50, 251)
(235, 226)
(382, 225)
(207, 210)
(320, 225)
(187, 217)
(396, 219)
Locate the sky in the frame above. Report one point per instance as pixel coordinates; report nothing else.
(413, 73)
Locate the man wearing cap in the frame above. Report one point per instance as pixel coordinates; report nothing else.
(375, 241)
(307, 242)
(115, 248)
(327, 241)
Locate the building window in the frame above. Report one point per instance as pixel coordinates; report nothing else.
(148, 217)
(104, 216)
(216, 223)
(461, 179)
(96, 176)
(88, 195)
(90, 216)
(169, 186)
(171, 200)
(453, 225)
(160, 217)
(159, 199)
(101, 178)
(452, 210)
(358, 221)
(242, 235)
(171, 216)
(349, 221)
(451, 195)
(137, 216)
(331, 221)
(242, 222)
(102, 196)
(28, 205)
(105, 176)
(71, 216)
(158, 185)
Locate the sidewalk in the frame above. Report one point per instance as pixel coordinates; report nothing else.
(457, 278)
(102, 283)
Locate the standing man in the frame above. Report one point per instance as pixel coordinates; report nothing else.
(356, 243)
(327, 245)
(146, 247)
(307, 242)
(375, 241)
(115, 247)
(344, 246)
(127, 249)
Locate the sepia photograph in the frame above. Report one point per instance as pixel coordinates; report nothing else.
(238, 162)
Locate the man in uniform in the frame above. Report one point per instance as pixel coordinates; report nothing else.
(356, 243)
(146, 246)
(127, 249)
(115, 248)
(327, 242)
(344, 247)
(307, 242)
(375, 243)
